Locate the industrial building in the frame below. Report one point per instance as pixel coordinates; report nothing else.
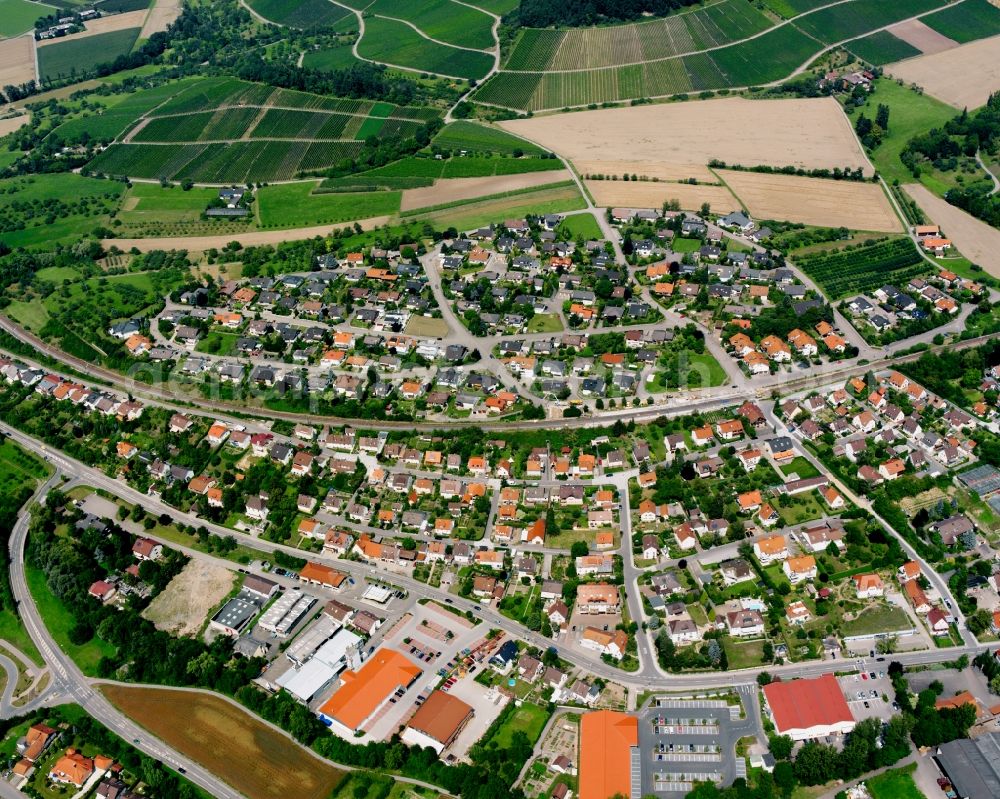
(438, 722)
(811, 708)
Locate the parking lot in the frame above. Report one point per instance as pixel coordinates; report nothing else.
(864, 694)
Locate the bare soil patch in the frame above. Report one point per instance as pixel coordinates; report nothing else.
(650, 194)
(160, 16)
(17, 60)
(253, 757)
(924, 38)
(254, 238)
(112, 22)
(448, 190)
(814, 201)
(976, 240)
(182, 606)
(963, 76)
(807, 133)
(652, 169)
(12, 123)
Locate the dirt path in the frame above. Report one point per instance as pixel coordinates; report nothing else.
(976, 240)
(253, 238)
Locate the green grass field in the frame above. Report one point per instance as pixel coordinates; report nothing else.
(293, 205)
(545, 323)
(59, 620)
(910, 113)
(148, 202)
(19, 467)
(443, 20)
(528, 718)
(880, 619)
(329, 58)
(973, 19)
(77, 57)
(305, 13)
(894, 784)
(52, 208)
(882, 48)
(473, 137)
(477, 213)
(580, 225)
(395, 43)
(18, 16)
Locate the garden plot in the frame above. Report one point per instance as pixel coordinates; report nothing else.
(453, 189)
(814, 201)
(181, 608)
(963, 77)
(808, 133)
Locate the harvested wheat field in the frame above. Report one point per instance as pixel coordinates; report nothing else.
(112, 22)
(814, 201)
(448, 190)
(963, 77)
(812, 134)
(650, 194)
(651, 169)
(924, 38)
(160, 16)
(17, 60)
(255, 758)
(182, 606)
(976, 240)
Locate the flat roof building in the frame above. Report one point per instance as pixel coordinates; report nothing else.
(808, 708)
(973, 765)
(607, 741)
(364, 691)
(235, 615)
(438, 721)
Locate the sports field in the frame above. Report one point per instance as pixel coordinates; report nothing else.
(802, 133)
(233, 744)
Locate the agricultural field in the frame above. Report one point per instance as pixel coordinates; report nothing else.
(226, 130)
(836, 24)
(965, 22)
(814, 201)
(150, 203)
(791, 8)
(945, 75)
(976, 240)
(498, 7)
(330, 58)
(224, 738)
(809, 134)
(442, 20)
(455, 189)
(17, 60)
(305, 13)
(18, 16)
(880, 48)
(39, 210)
(544, 200)
(397, 44)
(71, 57)
(915, 33)
(475, 138)
(649, 194)
(426, 169)
(295, 205)
(864, 267)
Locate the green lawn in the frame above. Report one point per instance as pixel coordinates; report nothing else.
(12, 630)
(18, 16)
(294, 205)
(529, 719)
(59, 620)
(894, 784)
(683, 245)
(743, 654)
(800, 508)
(910, 113)
(218, 342)
(800, 466)
(545, 323)
(879, 619)
(580, 225)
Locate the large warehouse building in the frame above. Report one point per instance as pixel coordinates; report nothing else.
(608, 744)
(438, 721)
(808, 708)
(363, 692)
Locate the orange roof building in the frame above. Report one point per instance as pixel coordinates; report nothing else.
(364, 691)
(808, 708)
(438, 721)
(321, 575)
(72, 768)
(607, 738)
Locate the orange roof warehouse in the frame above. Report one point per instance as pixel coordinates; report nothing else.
(438, 721)
(808, 708)
(364, 692)
(607, 739)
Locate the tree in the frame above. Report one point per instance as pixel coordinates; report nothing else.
(780, 746)
(579, 549)
(784, 777)
(764, 678)
(882, 116)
